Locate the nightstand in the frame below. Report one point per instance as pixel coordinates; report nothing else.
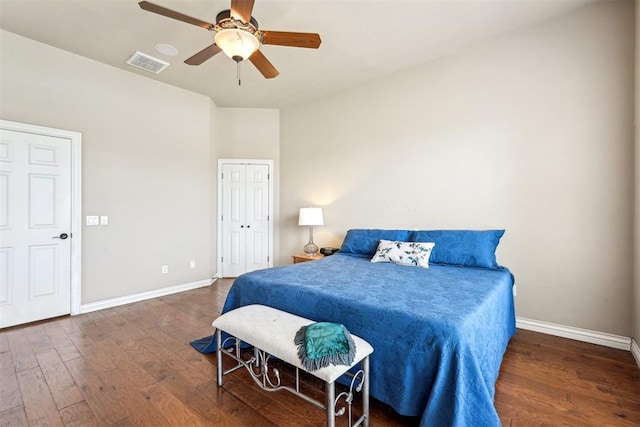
(304, 258)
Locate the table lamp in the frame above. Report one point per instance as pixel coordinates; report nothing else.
(310, 217)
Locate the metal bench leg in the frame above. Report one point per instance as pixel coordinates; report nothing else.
(219, 357)
(331, 404)
(365, 391)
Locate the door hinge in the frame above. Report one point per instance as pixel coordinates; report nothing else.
(222, 175)
(221, 217)
(221, 259)
(267, 258)
(268, 176)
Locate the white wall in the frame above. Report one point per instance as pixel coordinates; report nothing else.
(636, 257)
(247, 133)
(145, 163)
(532, 133)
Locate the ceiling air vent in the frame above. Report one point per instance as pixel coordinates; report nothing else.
(147, 62)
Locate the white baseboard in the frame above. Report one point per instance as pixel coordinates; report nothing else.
(128, 299)
(635, 350)
(578, 334)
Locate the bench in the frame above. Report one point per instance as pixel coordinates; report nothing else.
(271, 332)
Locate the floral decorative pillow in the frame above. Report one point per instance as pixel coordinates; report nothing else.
(404, 253)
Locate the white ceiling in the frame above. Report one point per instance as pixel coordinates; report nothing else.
(361, 40)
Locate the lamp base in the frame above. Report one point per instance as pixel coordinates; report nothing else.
(311, 249)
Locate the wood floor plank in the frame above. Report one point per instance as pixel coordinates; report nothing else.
(39, 405)
(66, 349)
(22, 353)
(202, 364)
(614, 367)
(138, 376)
(4, 344)
(87, 341)
(170, 407)
(168, 341)
(148, 323)
(541, 398)
(10, 396)
(548, 343)
(189, 306)
(563, 375)
(183, 391)
(139, 354)
(173, 381)
(78, 415)
(191, 374)
(75, 323)
(61, 384)
(278, 409)
(244, 415)
(102, 397)
(15, 417)
(38, 338)
(132, 326)
(139, 409)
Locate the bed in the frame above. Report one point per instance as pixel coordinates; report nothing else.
(439, 333)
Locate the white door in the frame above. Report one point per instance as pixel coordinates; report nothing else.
(35, 227)
(245, 218)
(257, 217)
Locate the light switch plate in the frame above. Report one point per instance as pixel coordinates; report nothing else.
(92, 220)
(104, 220)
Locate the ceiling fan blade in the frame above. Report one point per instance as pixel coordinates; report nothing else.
(284, 38)
(151, 7)
(205, 54)
(263, 65)
(241, 9)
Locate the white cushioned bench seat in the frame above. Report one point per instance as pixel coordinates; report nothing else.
(273, 331)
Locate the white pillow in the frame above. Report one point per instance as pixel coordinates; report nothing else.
(404, 253)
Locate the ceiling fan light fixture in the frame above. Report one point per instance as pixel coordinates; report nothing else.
(236, 43)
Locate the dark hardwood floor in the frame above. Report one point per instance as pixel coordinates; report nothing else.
(132, 365)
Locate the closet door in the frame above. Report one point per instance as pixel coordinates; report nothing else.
(257, 217)
(233, 220)
(245, 218)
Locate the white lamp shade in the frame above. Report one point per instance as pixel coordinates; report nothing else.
(310, 216)
(237, 43)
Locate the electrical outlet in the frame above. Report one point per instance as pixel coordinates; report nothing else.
(165, 269)
(92, 220)
(192, 264)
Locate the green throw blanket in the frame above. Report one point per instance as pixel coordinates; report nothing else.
(322, 344)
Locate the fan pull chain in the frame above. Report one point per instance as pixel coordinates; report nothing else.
(238, 72)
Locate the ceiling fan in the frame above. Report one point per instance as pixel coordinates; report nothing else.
(238, 36)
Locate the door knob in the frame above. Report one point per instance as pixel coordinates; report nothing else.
(61, 236)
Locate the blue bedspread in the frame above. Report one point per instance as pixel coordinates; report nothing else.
(439, 334)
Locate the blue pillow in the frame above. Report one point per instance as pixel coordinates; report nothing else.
(462, 247)
(364, 242)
